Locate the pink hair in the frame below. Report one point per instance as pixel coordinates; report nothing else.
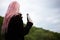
(13, 9)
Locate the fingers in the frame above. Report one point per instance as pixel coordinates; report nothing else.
(28, 18)
(27, 14)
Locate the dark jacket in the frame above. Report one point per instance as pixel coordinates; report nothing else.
(16, 29)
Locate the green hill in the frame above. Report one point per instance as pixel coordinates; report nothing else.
(38, 33)
(41, 34)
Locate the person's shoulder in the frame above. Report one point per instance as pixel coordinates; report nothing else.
(16, 16)
(19, 15)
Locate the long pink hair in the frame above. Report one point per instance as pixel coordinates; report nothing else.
(13, 9)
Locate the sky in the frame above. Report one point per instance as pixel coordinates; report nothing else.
(44, 13)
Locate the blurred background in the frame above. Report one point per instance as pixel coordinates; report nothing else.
(45, 15)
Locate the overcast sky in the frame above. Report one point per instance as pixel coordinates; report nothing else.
(44, 13)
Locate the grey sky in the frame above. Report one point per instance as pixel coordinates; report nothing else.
(44, 13)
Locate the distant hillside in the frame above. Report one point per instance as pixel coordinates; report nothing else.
(1, 19)
(41, 34)
(38, 33)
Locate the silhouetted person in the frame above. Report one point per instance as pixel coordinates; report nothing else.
(16, 29)
(13, 26)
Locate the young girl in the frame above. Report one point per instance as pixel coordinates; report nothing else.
(13, 24)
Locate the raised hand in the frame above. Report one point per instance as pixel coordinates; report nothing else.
(28, 18)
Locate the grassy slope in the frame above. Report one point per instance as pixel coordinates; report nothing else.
(41, 34)
(38, 33)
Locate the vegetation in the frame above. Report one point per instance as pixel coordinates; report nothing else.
(41, 34)
(37, 33)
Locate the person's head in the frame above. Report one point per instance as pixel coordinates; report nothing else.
(13, 9)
